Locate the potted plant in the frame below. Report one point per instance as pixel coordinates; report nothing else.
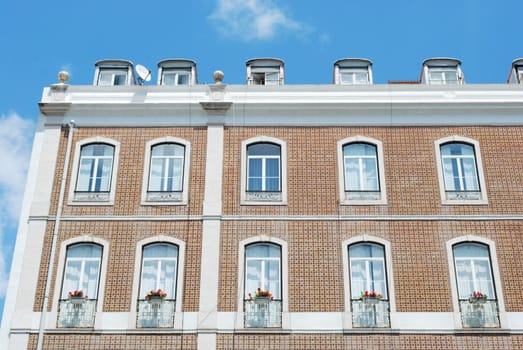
(77, 296)
(155, 296)
(261, 296)
(370, 297)
(477, 297)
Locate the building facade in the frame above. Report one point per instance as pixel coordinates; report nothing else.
(272, 216)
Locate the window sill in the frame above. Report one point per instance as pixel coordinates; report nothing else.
(263, 198)
(164, 198)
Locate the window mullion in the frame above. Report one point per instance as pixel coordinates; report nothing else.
(165, 173)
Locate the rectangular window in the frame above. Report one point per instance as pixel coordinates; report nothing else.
(354, 76)
(442, 75)
(112, 77)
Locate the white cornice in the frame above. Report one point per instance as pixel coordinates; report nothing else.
(288, 105)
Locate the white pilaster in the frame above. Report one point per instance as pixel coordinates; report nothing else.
(210, 258)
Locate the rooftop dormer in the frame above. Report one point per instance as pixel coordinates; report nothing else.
(113, 72)
(352, 71)
(177, 72)
(516, 72)
(442, 71)
(265, 71)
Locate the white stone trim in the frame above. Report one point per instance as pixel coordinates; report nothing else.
(479, 164)
(503, 318)
(243, 170)
(381, 171)
(76, 164)
(180, 273)
(346, 275)
(186, 169)
(51, 321)
(239, 324)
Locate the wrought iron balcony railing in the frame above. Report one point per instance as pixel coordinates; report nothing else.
(479, 313)
(262, 312)
(370, 312)
(76, 312)
(155, 313)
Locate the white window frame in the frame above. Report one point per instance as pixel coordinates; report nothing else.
(60, 271)
(284, 277)
(503, 317)
(183, 200)
(479, 167)
(177, 72)
(93, 197)
(347, 317)
(178, 318)
(352, 72)
(113, 72)
(442, 70)
(283, 171)
(344, 200)
(159, 261)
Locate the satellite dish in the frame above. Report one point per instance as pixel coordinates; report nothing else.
(144, 74)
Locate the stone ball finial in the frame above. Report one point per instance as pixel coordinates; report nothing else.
(218, 76)
(63, 76)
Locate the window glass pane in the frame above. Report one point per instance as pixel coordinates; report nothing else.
(120, 79)
(473, 270)
(370, 174)
(263, 149)
(263, 269)
(166, 172)
(361, 168)
(459, 167)
(367, 269)
(82, 270)
(183, 79)
(159, 269)
(168, 79)
(95, 168)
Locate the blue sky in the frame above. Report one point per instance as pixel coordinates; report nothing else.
(40, 38)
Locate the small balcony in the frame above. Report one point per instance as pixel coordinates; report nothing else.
(262, 313)
(76, 312)
(370, 313)
(155, 313)
(479, 313)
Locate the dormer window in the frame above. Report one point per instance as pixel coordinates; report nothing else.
(265, 71)
(113, 72)
(177, 72)
(442, 71)
(353, 71)
(516, 72)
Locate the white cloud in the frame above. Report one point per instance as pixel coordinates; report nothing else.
(16, 136)
(253, 19)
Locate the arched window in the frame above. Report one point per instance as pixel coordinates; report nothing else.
(369, 287)
(459, 167)
(263, 285)
(96, 165)
(475, 285)
(460, 171)
(361, 167)
(82, 270)
(157, 298)
(263, 268)
(166, 169)
(361, 171)
(81, 278)
(367, 269)
(264, 167)
(159, 269)
(263, 171)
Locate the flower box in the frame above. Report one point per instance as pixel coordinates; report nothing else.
(371, 300)
(477, 298)
(77, 300)
(155, 300)
(262, 300)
